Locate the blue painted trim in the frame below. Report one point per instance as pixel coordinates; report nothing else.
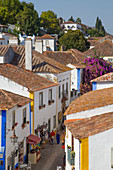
(3, 136)
(94, 86)
(78, 79)
(16, 165)
(30, 116)
(24, 159)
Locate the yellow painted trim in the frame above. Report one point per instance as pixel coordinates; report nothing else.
(84, 154)
(31, 95)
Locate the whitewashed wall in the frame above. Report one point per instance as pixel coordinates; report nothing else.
(42, 115)
(90, 113)
(21, 133)
(13, 87)
(100, 150)
(51, 44)
(106, 84)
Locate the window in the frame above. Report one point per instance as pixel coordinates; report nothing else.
(54, 121)
(24, 116)
(50, 94)
(59, 91)
(47, 42)
(67, 88)
(41, 99)
(62, 90)
(13, 118)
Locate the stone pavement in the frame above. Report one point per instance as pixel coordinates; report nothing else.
(51, 157)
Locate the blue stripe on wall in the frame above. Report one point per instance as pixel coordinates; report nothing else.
(3, 136)
(78, 79)
(30, 116)
(94, 86)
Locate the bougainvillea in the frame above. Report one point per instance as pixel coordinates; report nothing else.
(95, 67)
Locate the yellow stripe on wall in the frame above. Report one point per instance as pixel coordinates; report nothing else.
(84, 154)
(31, 95)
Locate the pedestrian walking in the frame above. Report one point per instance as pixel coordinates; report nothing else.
(52, 135)
(58, 137)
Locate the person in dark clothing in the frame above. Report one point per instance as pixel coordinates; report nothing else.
(58, 137)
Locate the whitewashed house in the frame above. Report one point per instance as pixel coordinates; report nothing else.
(29, 84)
(15, 118)
(93, 106)
(69, 25)
(89, 143)
(73, 59)
(102, 82)
(45, 43)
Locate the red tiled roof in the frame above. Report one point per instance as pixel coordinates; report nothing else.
(90, 126)
(69, 22)
(105, 77)
(104, 49)
(91, 100)
(4, 49)
(46, 36)
(40, 62)
(72, 56)
(9, 100)
(26, 78)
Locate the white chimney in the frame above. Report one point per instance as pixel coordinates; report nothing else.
(13, 40)
(39, 46)
(28, 54)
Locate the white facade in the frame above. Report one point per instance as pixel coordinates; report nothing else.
(42, 45)
(71, 26)
(63, 79)
(42, 115)
(102, 85)
(20, 132)
(90, 113)
(5, 37)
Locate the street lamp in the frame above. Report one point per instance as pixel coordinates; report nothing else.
(14, 138)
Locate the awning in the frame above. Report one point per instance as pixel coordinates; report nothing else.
(32, 139)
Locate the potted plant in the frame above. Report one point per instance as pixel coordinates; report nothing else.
(27, 122)
(40, 107)
(16, 124)
(23, 125)
(44, 105)
(53, 101)
(49, 102)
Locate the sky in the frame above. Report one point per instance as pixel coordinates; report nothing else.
(86, 10)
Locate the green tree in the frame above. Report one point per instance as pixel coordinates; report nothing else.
(71, 19)
(27, 19)
(100, 27)
(78, 20)
(50, 22)
(8, 11)
(74, 39)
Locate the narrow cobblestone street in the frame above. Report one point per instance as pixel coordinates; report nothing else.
(51, 157)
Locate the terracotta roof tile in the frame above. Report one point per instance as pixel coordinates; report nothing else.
(45, 36)
(9, 100)
(105, 49)
(72, 56)
(69, 22)
(105, 77)
(90, 126)
(26, 78)
(40, 62)
(91, 100)
(4, 49)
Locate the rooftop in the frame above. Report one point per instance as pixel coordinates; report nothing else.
(40, 62)
(26, 78)
(46, 36)
(104, 49)
(105, 77)
(90, 126)
(91, 100)
(4, 49)
(8, 100)
(72, 56)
